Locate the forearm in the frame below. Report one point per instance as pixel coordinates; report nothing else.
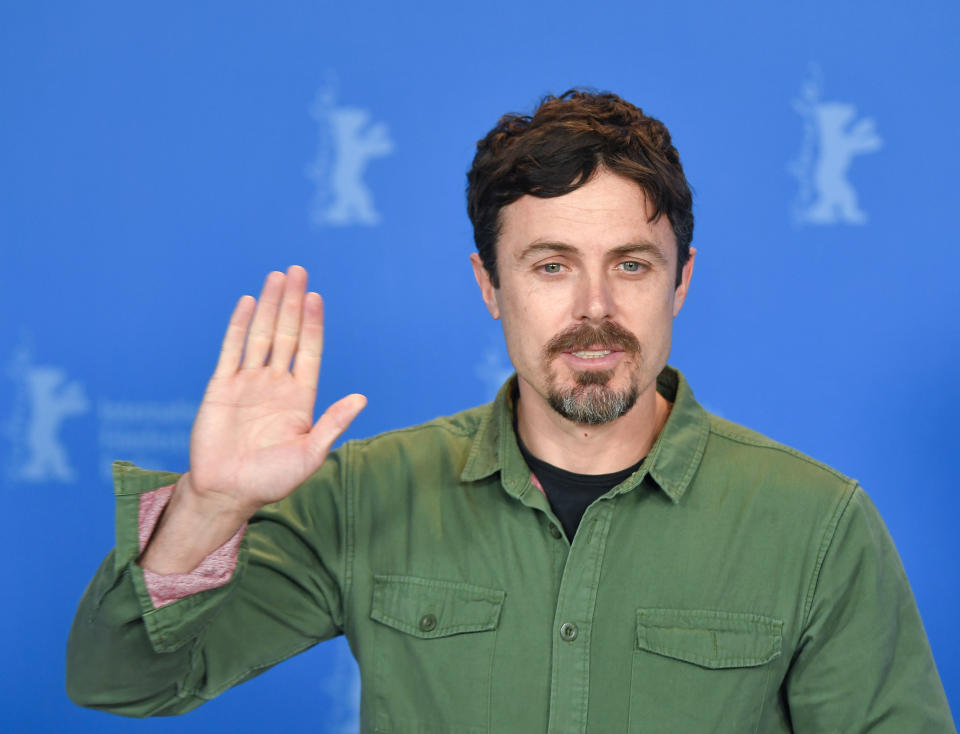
(111, 662)
(129, 653)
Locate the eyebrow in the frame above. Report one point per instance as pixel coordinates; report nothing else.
(538, 247)
(643, 247)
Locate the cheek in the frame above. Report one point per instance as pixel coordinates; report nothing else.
(526, 338)
(524, 341)
(661, 337)
(526, 320)
(653, 324)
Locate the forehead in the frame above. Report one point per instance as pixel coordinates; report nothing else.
(607, 212)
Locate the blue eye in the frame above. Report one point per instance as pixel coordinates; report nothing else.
(631, 266)
(551, 268)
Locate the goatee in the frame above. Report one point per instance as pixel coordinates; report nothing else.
(590, 401)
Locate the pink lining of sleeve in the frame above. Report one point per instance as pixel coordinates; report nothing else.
(536, 483)
(214, 571)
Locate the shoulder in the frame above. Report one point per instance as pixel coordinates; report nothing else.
(462, 425)
(430, 453)
(761, 466)
(740, 440)
(444, 440)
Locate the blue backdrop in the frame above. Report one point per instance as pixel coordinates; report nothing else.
(157, 160)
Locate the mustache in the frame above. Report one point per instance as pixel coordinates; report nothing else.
(607, 335)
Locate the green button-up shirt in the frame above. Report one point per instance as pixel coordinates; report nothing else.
(731, 584)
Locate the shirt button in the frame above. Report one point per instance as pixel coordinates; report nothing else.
(568, 631)
(428, 623)
(555, 532)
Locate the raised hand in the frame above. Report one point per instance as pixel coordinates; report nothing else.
(254, 440)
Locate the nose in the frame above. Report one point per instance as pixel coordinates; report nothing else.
(595, 300)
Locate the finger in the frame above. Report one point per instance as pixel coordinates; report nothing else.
(232, 347)
(306, 365)
(260, 336)
(287, 332)
(333, 423)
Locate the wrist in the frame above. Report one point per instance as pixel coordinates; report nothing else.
(192, 526)
(210, 506)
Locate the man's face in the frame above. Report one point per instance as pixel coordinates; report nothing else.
(587, 296)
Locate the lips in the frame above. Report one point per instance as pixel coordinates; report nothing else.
(592, 361)
(591, 353)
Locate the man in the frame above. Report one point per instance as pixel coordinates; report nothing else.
(591, 552)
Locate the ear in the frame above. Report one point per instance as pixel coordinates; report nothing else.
(487, 291)
(685, 275)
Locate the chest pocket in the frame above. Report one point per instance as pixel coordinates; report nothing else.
(709, 670)
(434, 654)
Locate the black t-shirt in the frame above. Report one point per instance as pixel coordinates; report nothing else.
(569, 494)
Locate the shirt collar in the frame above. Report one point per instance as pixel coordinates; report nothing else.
(671, 463)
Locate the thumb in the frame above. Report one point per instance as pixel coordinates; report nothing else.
(335, 420)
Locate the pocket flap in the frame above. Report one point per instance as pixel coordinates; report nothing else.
(711, 639)
(430, 608)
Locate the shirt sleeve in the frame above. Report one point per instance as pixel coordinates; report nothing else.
(130, 656)
(212, 572)
(864, 663)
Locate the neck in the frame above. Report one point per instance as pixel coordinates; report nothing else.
(586, 449)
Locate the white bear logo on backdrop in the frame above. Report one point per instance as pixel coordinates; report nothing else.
(833, 136)
(150, 433)
(348, 142)
(45, 398)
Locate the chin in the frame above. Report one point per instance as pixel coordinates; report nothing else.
(592, 404)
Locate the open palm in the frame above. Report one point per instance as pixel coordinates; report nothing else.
(254, 439)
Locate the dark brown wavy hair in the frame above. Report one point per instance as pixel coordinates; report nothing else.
(558, 148)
